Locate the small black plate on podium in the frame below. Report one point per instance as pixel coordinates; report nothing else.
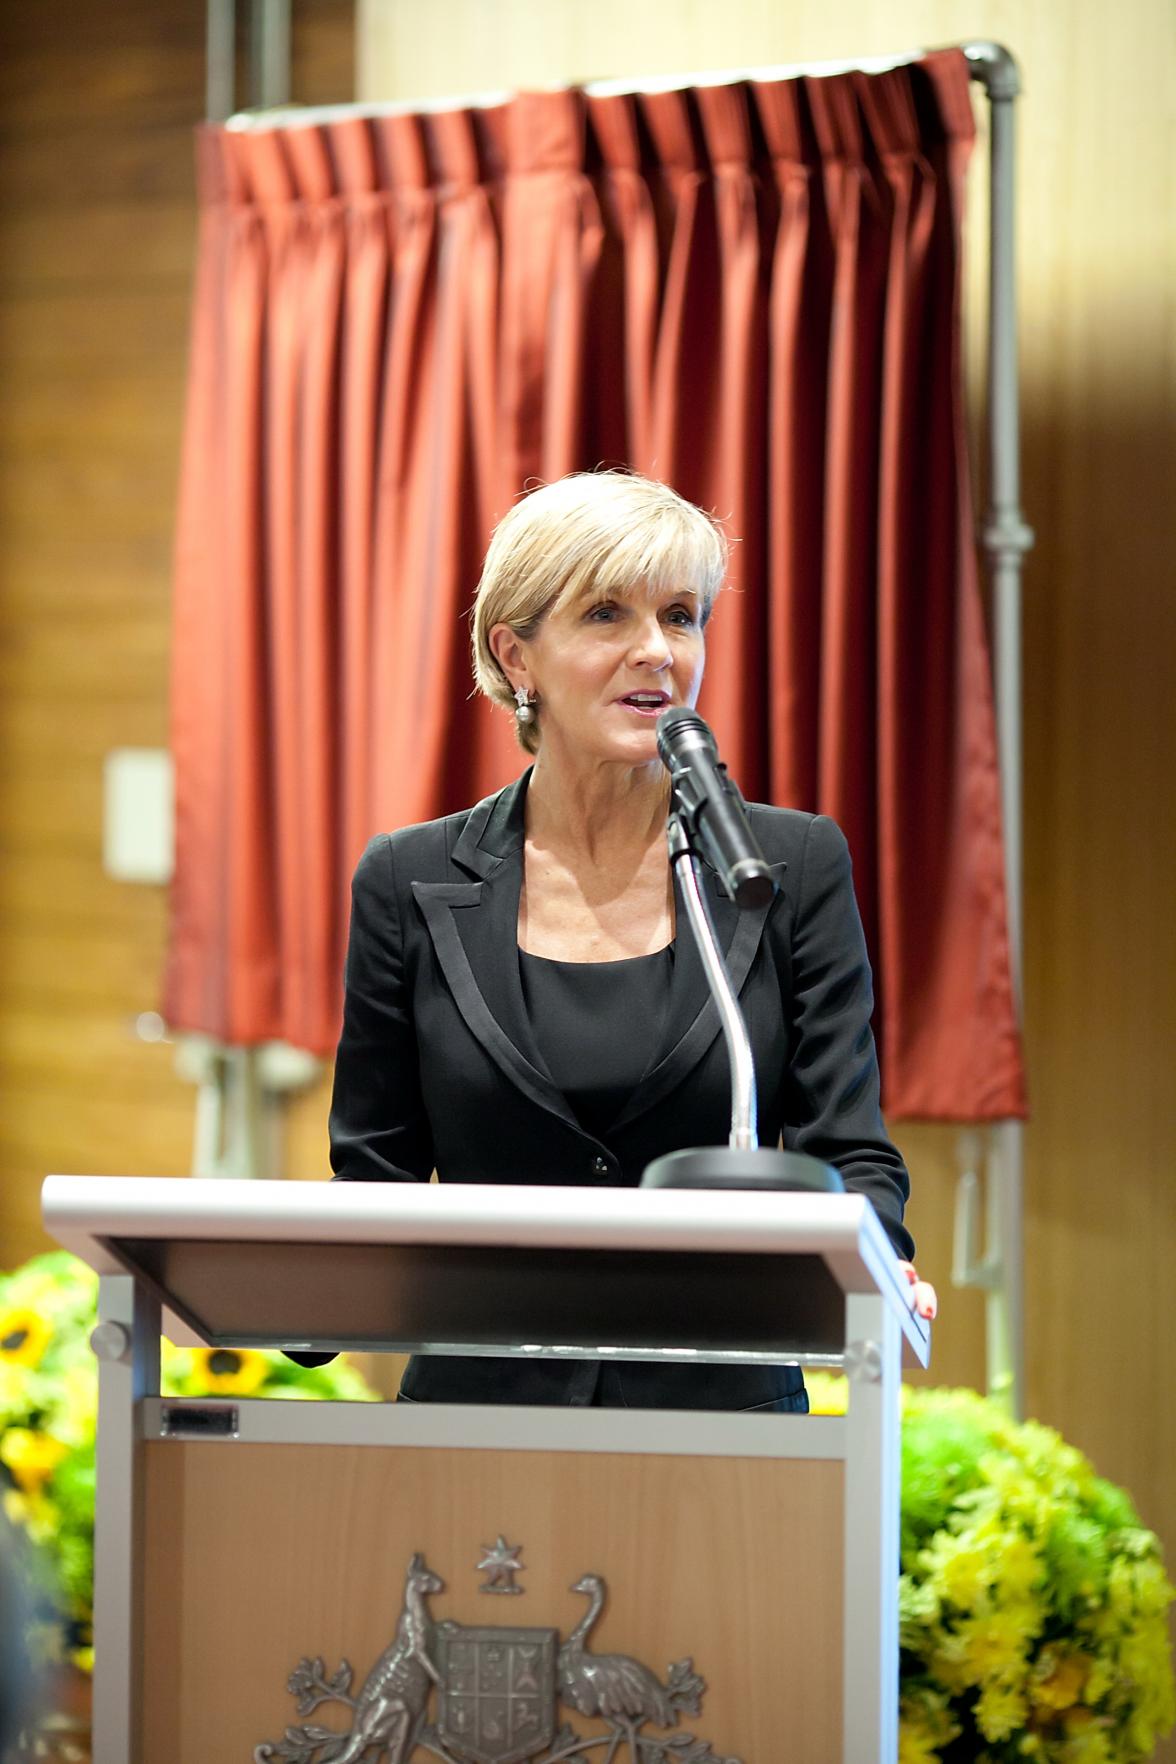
(765, 1168)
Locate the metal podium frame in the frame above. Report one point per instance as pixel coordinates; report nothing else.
(146, 1237)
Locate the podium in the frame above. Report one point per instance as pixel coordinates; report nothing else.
(508, 1585)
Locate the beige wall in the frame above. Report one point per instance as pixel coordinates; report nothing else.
(1097, 236)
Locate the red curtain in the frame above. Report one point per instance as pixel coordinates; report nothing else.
(751, 291)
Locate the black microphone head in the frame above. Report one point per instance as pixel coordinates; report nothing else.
(679, 729)
(752, 884)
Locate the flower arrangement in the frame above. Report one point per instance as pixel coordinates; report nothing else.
(1032, 1603)
(48, 1416)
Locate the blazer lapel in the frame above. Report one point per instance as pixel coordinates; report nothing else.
(474, 931)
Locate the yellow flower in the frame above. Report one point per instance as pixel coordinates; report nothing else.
(1000, 1711)
(229, 1371)
(990, 1645)
(32, 1512)
(1144, 1662)
(175, 1362)
(1086, 1739)
(1102, 1677)
(828, 1393)
(1020, 1567)
(14, 1391)
(1059, 1678)
(24, 1336)
(32, 1457)
(963, 1572)
(1121, 1590)
(1153, 1593)
(925, 1725)
(916, 1743)
(75, 1414)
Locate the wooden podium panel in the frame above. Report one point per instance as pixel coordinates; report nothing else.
(257, 1555)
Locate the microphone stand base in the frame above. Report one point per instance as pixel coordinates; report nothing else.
(763, 1167)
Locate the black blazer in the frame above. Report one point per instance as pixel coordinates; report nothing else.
(438, 1067)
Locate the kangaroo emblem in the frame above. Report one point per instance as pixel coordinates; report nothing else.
(391, 1706)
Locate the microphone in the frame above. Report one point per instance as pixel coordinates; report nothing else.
(709, 803)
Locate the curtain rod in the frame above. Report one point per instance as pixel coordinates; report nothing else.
(988, 62)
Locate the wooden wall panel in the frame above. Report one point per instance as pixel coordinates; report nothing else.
(1097, 242)
(97, 231)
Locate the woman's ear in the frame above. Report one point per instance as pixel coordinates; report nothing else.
(509, 651)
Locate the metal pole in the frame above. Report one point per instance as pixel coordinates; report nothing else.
(126, 1342)
(269, 54)
(873, 1474)
(1005, 538)
(220, 71)
(1004, 535)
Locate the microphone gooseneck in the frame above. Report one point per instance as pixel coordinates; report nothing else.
(708, 816)
(713, 812)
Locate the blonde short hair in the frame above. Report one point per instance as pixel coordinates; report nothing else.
(589, 533)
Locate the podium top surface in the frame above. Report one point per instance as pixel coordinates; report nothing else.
(479, 1268)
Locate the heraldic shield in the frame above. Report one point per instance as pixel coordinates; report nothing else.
(498, 1701)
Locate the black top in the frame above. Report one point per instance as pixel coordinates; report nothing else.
(598, 1026)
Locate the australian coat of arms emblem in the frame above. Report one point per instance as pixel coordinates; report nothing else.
(492, 1694)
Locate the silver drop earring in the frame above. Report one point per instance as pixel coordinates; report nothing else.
(524, 703)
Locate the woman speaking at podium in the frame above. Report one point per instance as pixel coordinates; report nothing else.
(520, 1006)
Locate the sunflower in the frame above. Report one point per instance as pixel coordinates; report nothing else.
(229, 1371)
(24, 1336)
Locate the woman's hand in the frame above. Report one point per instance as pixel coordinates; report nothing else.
(926, 1302)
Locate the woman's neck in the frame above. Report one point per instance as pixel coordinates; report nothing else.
(597, 810)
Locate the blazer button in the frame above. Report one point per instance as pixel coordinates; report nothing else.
(600, 1166)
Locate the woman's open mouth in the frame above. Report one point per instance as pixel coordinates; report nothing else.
(646, 704)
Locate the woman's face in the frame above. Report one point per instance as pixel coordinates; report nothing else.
(606, 668)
